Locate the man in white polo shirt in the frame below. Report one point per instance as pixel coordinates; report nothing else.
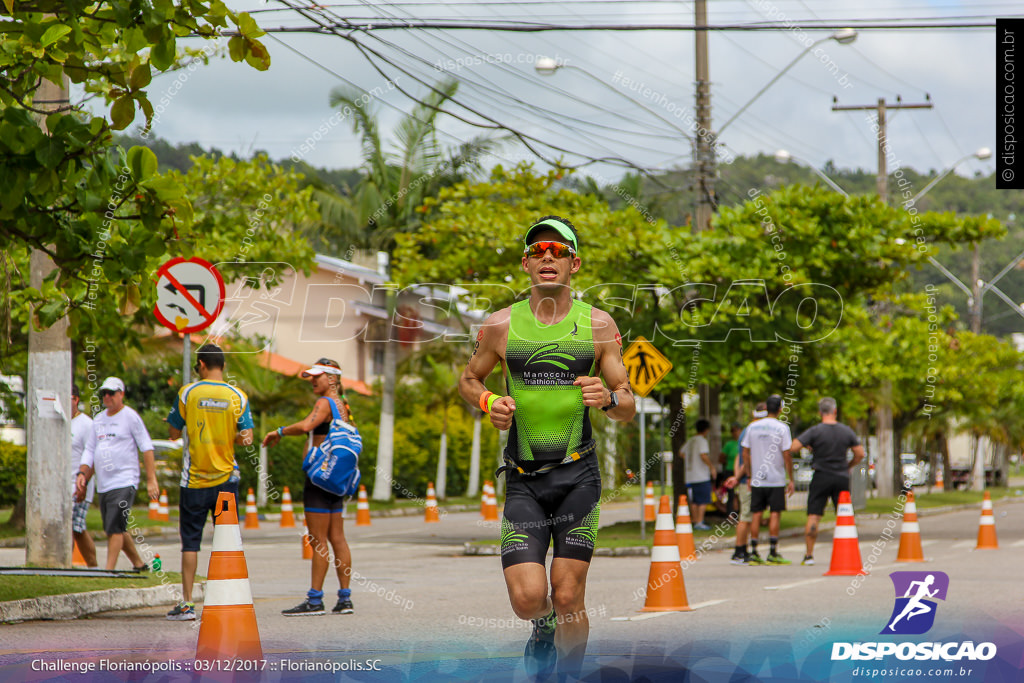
(112, 453)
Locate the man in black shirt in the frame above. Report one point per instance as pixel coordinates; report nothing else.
(829, 440)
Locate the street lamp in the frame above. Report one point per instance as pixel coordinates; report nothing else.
(784, 157)
(547, 66)
(843, 36)
(982, 154)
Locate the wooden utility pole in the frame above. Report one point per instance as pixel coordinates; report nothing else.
(887, 460)
(48, 414)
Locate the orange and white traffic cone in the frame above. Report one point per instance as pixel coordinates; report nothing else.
(483, 500)
(845, 549)
(666, 591)
(76, 556)
(491, 506)
(649, 515)
(252, 517)
(430, 510)
(987, 526)
(154, 510)
(362, 508)
(162, 510)
(307, 544)
(227, 629)
(939, 485)
(910, 534)
(287, 511)
(684, 531)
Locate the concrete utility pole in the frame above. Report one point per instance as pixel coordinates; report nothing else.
(887, 459)
(704, 166)
(48, 415)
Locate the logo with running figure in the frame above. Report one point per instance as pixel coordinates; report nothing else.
(916, 595)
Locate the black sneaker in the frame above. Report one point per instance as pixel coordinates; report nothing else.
(808, 560)
(753, 558)
(738, 559)
(306, 609)
(540, 654)
(343, 607)
(140, 569)
(183, 611)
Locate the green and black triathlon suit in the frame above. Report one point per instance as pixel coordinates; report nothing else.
(550, 426)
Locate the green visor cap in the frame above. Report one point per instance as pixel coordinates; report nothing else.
(556, 225)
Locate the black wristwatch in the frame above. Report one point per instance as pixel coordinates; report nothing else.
(613, 402)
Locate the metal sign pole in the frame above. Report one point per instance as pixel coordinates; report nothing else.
(186, 377)
(643, 472)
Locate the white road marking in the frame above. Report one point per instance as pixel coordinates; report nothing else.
(651, 615)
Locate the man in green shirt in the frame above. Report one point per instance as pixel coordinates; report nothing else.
(730, 449)
(552, 347)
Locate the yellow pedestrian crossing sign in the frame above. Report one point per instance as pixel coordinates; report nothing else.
(646, 366)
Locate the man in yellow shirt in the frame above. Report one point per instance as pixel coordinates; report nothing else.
(216, 416)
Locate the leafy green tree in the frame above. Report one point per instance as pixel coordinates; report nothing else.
(101, 214)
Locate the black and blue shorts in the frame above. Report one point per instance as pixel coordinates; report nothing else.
(317, 500)
(194, 506)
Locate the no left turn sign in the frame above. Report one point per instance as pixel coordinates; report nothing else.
(190, 294)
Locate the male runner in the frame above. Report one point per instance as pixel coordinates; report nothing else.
(550, 347)
(828, 440)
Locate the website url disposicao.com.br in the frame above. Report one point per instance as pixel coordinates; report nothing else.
(927, 672)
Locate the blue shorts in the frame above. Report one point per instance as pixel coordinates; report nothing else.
(700, 492)
(194, 506)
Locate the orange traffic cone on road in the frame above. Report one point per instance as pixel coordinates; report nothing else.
(307, 544)
(287, 511)
(227, 628)
(76, 556)
(154, 510)
(845, 550)
(490, 503)
(362, 508)
(162, 511)
(910, 534)
(430, 510)
(987, 526)
(252, 517)
(649, 514)
(684, 531)
(939, 485)
(666, 591)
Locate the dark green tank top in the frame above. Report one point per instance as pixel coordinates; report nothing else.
(542, 362)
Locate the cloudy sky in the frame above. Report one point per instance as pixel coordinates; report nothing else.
(626, 95)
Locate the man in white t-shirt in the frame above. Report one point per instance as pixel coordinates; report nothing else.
(81, 428)
(767, 460)
(700, 472)
(112, 453)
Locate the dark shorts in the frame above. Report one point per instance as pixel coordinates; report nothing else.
(564, 504)
(825, 486)
(317, 500)
(115, 506)
(772, 498)
(194, 506)
(700, 492)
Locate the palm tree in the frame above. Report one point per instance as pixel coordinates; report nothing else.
(384, 204)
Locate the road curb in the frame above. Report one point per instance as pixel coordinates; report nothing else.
(75, 605)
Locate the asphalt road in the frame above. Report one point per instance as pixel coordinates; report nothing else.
(426, 612)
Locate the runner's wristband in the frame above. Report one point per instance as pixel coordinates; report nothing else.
(280, 431)
(487, 400)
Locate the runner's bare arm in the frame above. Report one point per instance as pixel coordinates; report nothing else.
(858, 455)
(321, 412)
(244, 438)
(608, 358)
(487, 353)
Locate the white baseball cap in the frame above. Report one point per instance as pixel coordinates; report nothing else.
(112, 384)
